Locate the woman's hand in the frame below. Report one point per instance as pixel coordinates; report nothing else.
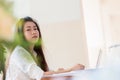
(62, 70)
(49, 72)
(75, 67)
(78, 67)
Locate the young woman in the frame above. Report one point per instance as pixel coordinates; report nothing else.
(27, 61)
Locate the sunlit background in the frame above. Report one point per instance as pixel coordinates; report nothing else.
(73, 31)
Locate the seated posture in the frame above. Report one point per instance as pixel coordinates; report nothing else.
(27, 61)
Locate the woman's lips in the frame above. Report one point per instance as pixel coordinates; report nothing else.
(35, 37)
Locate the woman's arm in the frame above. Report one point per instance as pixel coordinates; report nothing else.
(62, 70)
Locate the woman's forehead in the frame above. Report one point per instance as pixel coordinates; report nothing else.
(29, 24)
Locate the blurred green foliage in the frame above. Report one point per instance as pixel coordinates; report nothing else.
(7, 6)
(2, 57)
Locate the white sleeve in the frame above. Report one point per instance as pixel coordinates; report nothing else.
(25, 62)
(35, 72)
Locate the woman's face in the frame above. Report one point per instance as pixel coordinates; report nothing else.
(31, 32)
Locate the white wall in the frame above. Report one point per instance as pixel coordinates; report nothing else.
(63, 31)
(111, 20)
(102, 21)
(94, 30)
(111, 23)
(62, 25)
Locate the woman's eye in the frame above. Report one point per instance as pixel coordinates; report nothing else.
(27, 29)
(35, 28)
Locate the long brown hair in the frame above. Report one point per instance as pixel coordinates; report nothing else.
(20, 40)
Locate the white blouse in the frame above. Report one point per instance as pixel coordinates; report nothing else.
(22, 66)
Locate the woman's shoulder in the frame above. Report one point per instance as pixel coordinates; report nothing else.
(20, 53)
(19, 50)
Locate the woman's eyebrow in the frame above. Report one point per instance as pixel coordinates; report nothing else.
(31, 26)
(28, 26)
(34, 26)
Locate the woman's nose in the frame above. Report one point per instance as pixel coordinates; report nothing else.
(33, 31)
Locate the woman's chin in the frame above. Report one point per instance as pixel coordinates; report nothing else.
(33, 41)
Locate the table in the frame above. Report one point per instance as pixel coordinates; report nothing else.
(107, 73)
